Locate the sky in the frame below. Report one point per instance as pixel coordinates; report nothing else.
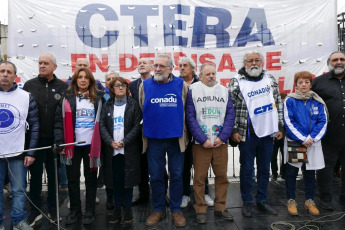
(4, 10)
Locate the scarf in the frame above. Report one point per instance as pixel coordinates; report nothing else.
(95, 149)
(68, 132)
(120, 101)
(83, 95)
(306, 96)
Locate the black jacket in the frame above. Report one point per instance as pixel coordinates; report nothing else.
(332, 91)
(47, 96)
(132, 118)
(58, 126)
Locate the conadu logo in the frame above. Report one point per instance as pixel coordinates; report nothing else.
(168, 100)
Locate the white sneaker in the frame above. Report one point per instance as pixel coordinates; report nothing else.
(209, 201)
(185, 201)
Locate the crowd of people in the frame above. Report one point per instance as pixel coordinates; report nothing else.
(151, 131)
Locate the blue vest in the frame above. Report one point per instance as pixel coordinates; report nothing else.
(163, 109)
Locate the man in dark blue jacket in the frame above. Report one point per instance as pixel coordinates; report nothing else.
(210, 118)
(19, 128)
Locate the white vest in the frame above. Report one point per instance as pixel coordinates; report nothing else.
(261, 106)
(14, 107)
(210, 107)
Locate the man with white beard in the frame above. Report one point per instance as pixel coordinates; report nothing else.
(259, 117)
(331, 88)
(162, 99)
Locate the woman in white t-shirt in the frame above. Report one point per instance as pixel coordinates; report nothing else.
(120, 131)
(77, 120)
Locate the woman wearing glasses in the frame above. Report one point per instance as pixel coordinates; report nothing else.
(77, 119)
(120, 128)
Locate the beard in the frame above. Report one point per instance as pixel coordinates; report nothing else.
(254, 71)
(159, 77)
(336, 70)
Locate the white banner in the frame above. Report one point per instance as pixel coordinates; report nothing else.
(293, 35)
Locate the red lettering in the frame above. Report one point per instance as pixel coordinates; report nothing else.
(281, 86)
(123, 65)
(74, 58)
(270, 60)
(226, 63)
(18, 79)
(205, 58)
(195, 58)
(150, 56)
(225, 82)
(103, 66)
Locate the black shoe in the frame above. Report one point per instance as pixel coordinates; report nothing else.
(115, 216)
(264, 207)
(89, 217)
(53, 215)
(110, 203)
(224, 214)
(128, 214)
(72, 217)
(247, 209)
(201, 218)
(34, 218)
(326, 205)
(274, 177)
(141, 199)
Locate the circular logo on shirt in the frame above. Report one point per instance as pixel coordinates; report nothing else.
(9, 118)
(57, 96)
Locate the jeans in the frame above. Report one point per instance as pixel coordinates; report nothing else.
(73, 175)
(156, 152)
(63, 175)
(122, 196)
(290, 182)
(18, 195)
(325, 176)
(261, 148)
(36, 170)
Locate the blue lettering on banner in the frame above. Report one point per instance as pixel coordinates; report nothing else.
(263, 109)
(82, 25)
(140, 14)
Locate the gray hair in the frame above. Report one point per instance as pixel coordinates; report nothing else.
(171, 63)
(187, 59)
(8, 62)
(52, 56)
(252, 52)
(112, 72)
(206, 64)
(335, 52)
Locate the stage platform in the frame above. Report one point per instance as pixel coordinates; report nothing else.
(259, 220)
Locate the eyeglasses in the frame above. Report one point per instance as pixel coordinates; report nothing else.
(120, 86)
(253, 61)
(160, 66)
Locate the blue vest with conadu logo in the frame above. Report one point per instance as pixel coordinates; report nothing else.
(163, 109)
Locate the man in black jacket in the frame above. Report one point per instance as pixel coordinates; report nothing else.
(16, 107)
(47, 90)
(331, 88)
(144, 69)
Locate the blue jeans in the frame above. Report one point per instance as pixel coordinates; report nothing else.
(290, 182)
(122, 195)
(62, 175)
(156, 151)
(261, 148)
(18, 195)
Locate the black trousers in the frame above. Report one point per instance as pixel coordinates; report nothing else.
(325, 175)
(73, 175)
(45, 157)
(278, 145)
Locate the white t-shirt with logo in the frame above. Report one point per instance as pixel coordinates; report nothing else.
(119, 130)
(85, 121)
